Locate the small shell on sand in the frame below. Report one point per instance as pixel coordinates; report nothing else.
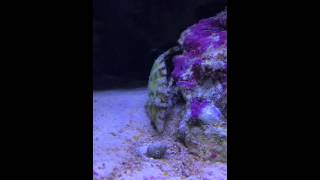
(156, 151)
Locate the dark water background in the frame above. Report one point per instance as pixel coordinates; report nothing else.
(130, 34)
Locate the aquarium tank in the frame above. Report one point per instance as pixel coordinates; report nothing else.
(160, 90)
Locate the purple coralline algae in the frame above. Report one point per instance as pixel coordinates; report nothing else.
(197, 107)
(196, 88)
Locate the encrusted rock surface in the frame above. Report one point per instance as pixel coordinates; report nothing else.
(188, 89)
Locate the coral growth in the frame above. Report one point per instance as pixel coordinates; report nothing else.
(196, 88)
